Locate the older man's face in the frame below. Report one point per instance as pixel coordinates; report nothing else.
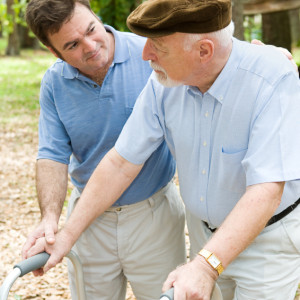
(171, 63)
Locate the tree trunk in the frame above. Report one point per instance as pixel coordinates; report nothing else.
(238, 19)
(295, 26)
(13, 46)
(27, 41)
(276, 29)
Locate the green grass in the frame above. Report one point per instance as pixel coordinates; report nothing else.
(20, 79)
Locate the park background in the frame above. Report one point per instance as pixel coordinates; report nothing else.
(23, 61)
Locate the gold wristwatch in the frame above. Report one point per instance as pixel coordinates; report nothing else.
(212, 260)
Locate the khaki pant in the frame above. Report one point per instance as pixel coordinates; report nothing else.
(141, 243)
(269, 269)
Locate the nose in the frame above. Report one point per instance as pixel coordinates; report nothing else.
(89, 45)
(149, 52)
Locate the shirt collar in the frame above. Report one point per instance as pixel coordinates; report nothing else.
(121, 55)
(221, 84)
(219, 88)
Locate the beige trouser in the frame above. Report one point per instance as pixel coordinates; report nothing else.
(141, 242)
(269, 269)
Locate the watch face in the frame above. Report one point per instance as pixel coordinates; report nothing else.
(213, 261)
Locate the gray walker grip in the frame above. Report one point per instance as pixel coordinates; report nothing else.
(32, 263)
(168, 295)
(36, 262)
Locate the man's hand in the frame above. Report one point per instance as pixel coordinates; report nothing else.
(287, 53)
(192, 281)
(46, 229)
(57, 251)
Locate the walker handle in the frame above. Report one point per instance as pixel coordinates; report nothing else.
(32, 263)
(168, 295)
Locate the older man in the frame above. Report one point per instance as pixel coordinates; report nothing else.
(229, 112)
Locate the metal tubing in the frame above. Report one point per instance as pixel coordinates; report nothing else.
(8, 282)
(29, 266)
(78, 274)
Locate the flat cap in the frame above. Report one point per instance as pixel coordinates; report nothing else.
(154, 18)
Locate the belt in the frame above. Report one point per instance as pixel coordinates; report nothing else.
(274, 219)
(284, 213)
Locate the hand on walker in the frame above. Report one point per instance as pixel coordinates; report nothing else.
(46, 229)
(57, 251)
(192, 281)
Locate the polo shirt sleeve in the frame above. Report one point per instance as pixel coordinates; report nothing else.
(142, 134)
(54, 142)
(273, 153)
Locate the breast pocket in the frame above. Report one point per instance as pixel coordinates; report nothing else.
(233, 177)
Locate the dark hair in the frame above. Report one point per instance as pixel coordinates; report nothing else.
(48, 16)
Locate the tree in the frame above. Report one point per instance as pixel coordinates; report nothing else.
(11, 19)
(238, 18)
(276, 29)
(114, 12)
(13, 46)
(295, 26)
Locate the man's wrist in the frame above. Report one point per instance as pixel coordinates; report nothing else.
(212, 260)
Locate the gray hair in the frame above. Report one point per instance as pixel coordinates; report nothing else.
(223, 37)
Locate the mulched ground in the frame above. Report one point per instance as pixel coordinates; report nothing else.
(19, 213)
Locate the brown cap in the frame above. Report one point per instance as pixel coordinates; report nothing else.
(154, 18)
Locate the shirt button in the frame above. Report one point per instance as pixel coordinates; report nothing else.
(201, 199)
(119, 209)
(206, 114)
(203, 172)
(221, 97)
(204, 143)
(95, 85)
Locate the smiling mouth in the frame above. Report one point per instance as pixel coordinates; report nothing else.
(94, 55)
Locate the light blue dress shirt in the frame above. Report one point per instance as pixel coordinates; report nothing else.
(244, 130)
(82, 120)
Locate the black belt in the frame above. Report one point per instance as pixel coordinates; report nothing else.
(274, 219)
(284, 213)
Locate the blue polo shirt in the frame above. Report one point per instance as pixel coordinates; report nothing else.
(80, 121)
(244, 130)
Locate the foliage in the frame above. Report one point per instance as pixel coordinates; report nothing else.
(296, 55)
(7, 20)
(114, 12)
(252, 28)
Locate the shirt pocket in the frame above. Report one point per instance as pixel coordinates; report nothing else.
(233, 177)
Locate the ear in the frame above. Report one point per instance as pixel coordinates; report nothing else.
(206, 49)
(52, 51)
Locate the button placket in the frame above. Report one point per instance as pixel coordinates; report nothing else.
(207, 108)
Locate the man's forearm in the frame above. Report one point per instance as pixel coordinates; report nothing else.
(110, 179)
(246, 221)
(51, 185)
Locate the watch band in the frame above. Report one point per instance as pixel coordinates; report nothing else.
(212, 259)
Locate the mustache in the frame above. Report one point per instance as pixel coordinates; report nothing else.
(156, 67)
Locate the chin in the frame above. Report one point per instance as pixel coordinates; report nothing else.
(167, 82)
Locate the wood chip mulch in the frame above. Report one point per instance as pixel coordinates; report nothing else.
(19, 214)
